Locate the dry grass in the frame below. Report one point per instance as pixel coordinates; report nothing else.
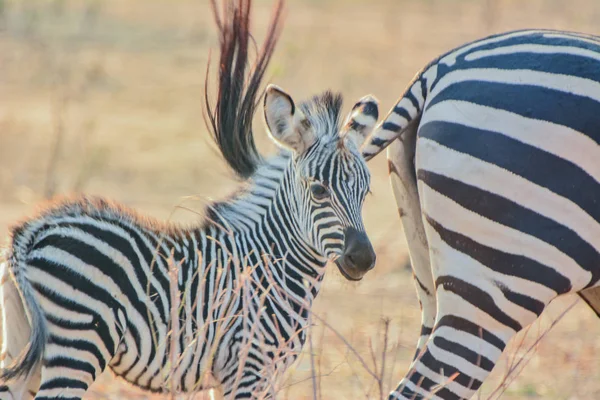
(104, 96)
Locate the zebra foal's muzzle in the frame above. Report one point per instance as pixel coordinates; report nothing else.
(358, 257)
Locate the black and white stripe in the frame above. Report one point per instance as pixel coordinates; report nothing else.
(100, 284)
(496, 175)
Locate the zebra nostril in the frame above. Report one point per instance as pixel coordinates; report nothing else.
(350, 259)
(373, 260)
(360, 261)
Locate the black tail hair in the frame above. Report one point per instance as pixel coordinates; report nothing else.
(230, 121)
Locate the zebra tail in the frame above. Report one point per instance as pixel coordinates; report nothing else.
(406, 111)
(30, 356)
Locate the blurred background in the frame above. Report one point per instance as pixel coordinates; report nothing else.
(106, 97)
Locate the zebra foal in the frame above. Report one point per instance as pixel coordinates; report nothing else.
(494, 156)
(100, 284)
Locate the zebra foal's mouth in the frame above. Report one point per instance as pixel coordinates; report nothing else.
(358, 257)
(354, 276)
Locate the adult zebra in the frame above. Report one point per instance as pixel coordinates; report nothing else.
(94, 276)
(496, 174)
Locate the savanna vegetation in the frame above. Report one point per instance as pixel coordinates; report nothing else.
(106, 97)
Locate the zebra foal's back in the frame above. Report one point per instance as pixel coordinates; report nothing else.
(101, 273)
(497, 179)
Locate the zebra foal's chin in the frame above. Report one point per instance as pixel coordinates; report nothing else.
(496, 174)
(89, 285)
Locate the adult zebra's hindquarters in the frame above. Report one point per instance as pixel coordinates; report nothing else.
(97, 279)
(496, 175)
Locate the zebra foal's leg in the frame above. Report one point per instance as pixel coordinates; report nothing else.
(254, 371)
(247, 381)
(404, 184)
(83, 336)
(14, 334)
(82, 340)
(245, 384)
(73, 359)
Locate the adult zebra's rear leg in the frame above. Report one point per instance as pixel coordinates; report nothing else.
(495, 269)
(476, 316)
(403, 178)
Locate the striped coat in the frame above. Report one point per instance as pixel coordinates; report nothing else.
(494, 154)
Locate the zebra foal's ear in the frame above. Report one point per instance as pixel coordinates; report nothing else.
(361, 120)
(287, 125)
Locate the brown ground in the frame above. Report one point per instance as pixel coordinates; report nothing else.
(105, 97)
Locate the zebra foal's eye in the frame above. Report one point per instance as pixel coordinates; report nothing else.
(318, 190)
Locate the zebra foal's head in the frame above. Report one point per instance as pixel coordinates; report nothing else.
(331, 177)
